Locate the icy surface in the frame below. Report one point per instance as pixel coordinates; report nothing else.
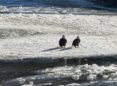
(37, 35)
(83, 75)
(24, 33)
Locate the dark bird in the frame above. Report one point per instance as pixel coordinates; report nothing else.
(76, 42)
(62, 42)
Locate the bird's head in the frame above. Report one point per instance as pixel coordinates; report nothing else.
(63, 36)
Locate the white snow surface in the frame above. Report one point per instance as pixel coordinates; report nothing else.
(98, 34)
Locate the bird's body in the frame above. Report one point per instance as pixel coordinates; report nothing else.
(62, 42)
(76, 42)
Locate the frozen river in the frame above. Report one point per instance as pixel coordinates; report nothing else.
(29, 52)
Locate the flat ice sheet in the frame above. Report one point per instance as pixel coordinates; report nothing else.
(41, 33)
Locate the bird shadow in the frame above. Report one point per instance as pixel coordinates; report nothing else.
(68, 48)
(56, 48)
(51, 49)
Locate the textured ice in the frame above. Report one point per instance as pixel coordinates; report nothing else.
(37, 35)
(90, 75)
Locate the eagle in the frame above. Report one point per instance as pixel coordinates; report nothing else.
(62, 41)
(76, 42)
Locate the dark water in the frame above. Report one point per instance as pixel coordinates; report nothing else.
(59, 3)
(106, 3)
(55, 6)
(22, 68)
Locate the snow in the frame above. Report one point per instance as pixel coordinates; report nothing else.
(28, 32)
(98, 35)
(90, 72)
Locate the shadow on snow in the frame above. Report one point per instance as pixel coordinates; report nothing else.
(68, 48)
(57, 48)
(51, 49)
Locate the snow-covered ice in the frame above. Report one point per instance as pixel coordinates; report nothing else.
(98, 35)
(24, 33)
(32, 30)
